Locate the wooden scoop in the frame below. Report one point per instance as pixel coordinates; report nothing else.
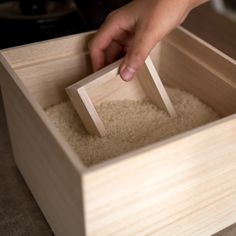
(106, 85)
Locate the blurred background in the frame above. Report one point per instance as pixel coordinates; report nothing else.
(26, 21)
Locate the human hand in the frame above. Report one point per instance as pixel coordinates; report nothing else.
(134, 29)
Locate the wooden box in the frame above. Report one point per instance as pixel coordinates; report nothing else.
(184, 185)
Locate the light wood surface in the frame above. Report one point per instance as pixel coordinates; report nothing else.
(40, 78)
(185, 185)
(96, 88)
(50, 50)
(199, 68)
(187, 191)
(50, 168)
(152, 85)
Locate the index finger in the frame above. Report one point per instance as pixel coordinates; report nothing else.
(109, 31)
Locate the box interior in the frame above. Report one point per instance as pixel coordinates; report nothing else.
(177, 63)
(180, 63)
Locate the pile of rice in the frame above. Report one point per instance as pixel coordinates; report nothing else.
(129, 125)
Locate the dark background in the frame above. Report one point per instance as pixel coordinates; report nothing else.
(26, 21)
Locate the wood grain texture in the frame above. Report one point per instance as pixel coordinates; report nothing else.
(185, 185)
(209, 57)
(35, 53)
(105, 83)
(153, 87)
(87, 112)
(48, 165)
(198, 68)
(52, 76)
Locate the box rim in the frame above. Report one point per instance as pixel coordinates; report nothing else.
(5, 50)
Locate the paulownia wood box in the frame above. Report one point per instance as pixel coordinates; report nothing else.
(185, 185)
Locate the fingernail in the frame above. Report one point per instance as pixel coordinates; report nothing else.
(127, 73)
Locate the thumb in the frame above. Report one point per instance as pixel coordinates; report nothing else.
(137, 53)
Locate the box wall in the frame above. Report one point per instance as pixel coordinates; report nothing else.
(190, 64)
(186, 73)
(184, 186)
(53, 179)
(35, 53)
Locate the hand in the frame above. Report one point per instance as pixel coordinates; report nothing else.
(134, 30)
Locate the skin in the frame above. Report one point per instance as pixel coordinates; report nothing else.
(134, 29)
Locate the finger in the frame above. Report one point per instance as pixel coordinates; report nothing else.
(118, 49)
(109, 31)
(137, 53)
(113, 52)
